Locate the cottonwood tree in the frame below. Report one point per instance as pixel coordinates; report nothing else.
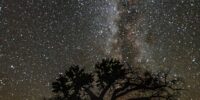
(111, 80)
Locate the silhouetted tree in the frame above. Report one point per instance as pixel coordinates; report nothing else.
(72, 84)
(112, 79)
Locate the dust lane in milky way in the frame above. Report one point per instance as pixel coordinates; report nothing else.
(166, 35)
(39, 39)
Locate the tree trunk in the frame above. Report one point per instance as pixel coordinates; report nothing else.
(91, 94)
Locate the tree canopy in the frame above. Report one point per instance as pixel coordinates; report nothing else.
(112, 80)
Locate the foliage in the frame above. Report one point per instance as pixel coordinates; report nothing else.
(112, 79)
(71, 84)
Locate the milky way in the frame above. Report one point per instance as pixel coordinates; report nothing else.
(41, 38)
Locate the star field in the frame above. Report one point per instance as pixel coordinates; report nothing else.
(40, 38)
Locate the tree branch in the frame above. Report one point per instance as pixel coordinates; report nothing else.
(104, 91)
(91, 94)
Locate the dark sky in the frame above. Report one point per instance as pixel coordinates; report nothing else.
(40, 38)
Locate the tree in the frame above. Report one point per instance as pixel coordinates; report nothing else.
(112, 79)
(72, 84)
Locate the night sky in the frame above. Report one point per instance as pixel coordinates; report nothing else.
(40, 38)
